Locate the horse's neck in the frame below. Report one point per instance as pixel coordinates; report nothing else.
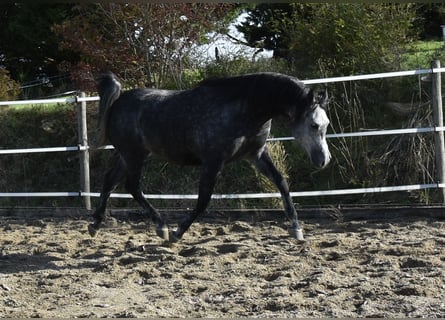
(268, 108)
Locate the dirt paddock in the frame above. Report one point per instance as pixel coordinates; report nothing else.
(226, 266)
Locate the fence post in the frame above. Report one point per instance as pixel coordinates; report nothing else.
(439, 140)
(84, 154)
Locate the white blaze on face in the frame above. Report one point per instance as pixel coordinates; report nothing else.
(311, 134)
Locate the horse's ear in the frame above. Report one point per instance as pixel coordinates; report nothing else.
(322, 99)
(310, 96)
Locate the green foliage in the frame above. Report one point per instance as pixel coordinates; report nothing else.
(9, 89)
(420, 54)
(332, 38)
(36, 127)
(429, 18)
(344, 39)
(27, 44)
(225, 67)
(266, 27)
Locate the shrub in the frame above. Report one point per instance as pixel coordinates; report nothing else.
(9, 89)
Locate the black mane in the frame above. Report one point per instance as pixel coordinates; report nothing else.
(258, 88)
(266, 81)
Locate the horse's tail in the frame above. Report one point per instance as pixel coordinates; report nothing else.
(109, 89)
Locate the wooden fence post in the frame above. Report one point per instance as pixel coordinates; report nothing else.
(84, 154)
(439, 140)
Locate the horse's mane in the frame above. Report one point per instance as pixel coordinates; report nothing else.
(265, 79)
(258, 89)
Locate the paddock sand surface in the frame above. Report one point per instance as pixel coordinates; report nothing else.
(50, 267)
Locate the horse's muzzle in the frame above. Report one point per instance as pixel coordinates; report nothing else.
(320, 159)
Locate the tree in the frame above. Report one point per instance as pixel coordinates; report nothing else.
(265, 27)
(335, 38)
(27, 44)
(430, 17)
(145, 44)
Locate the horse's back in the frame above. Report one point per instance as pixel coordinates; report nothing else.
(185, 127)
(155, 121)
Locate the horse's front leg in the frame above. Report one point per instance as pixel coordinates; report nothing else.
(209, 173)
(265, 165)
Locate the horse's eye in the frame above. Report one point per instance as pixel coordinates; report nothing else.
(315, 126)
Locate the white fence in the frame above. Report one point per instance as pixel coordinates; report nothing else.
(83, 147)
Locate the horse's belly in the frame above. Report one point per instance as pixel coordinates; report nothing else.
(183, 159)
(198, 150)
(175, 155)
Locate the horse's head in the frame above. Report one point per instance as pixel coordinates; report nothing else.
(310, 129)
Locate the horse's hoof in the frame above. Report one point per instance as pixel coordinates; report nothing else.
(92, 230)
(297, 234)
(163, 232)
(174, 237)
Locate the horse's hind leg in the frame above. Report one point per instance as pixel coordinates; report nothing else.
(265, 165)
(132, 185)
(112, 178)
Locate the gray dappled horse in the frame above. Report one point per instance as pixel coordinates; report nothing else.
(217, 122)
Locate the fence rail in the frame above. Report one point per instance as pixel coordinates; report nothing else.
(337, 192)
(83, 147)
(328, 136)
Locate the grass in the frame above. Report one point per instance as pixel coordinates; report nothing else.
(41, 106)
(421, 53)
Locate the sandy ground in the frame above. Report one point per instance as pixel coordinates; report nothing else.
(50, 267)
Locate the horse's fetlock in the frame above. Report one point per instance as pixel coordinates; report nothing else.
(163, 232)
(175, 236)
(297, 233)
